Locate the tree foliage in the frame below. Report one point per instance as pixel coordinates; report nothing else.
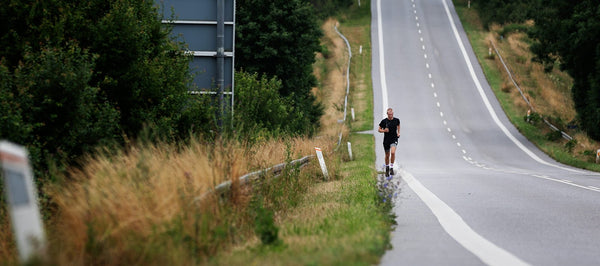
(280, 38)
(570, 33)
(75, 74)
(325, 8)
(504, 11)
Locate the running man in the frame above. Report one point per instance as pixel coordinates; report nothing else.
(390, 127)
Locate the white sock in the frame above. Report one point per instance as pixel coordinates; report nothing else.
(391, 165)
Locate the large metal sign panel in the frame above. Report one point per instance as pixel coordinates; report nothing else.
(195, 23)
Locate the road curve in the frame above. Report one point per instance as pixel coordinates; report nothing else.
(473, 190)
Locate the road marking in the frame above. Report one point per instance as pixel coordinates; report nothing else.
(458, 229)
(382, 77)
(427, 65)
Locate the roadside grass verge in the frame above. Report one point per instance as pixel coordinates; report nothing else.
(355, 24)
(549, 92)
(339, 222)
(344, 221)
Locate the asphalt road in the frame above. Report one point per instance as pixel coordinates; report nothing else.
(473, 190)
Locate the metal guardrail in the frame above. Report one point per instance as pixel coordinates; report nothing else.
(347, 81)
(247, 178)
(553, 127)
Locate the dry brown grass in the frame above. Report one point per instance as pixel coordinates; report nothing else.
(333, 86)
(548, 92)
(134, 196)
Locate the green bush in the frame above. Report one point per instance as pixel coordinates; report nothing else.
(554, 135)
(75, 75)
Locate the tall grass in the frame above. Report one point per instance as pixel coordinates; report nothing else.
(140, 205)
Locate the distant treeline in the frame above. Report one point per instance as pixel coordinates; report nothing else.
(565, 33)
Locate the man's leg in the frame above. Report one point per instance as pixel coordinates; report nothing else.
(387, 162)
(392, 158)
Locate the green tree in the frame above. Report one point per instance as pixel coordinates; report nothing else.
(570, 33)
(280, 38)
(325, 8)
(505, 11)
(258, 105)
(76, 74)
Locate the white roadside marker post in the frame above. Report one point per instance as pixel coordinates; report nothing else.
(350, 151)
(22, 200)
(322, 162)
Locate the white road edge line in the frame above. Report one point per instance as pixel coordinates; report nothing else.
(382, 78)
(456, 227)
(487, 102)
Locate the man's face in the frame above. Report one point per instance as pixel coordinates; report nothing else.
(390, 114)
